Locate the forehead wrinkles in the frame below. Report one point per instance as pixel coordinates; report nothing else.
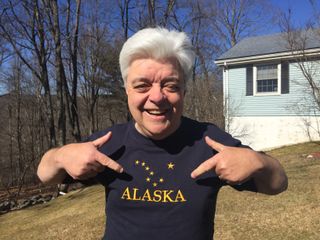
(154, 70)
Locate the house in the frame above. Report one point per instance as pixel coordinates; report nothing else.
(267, 98)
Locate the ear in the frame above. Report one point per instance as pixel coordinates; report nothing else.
(125, 87)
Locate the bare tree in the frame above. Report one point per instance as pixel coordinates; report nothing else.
(4, 51)
(299, 41)
(124, 7)
(51, 8)
(233, 20)
(98, 66)
(22, 26)
(72, 43)
(145, 13)
(204, 101)
(22, 138)
(67, 101)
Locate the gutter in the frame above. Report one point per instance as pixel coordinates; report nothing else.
(268, 57)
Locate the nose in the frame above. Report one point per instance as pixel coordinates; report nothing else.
(156, 94)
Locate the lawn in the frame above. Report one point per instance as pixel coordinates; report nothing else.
(292, 215)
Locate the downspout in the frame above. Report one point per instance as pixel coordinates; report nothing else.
(226, 94)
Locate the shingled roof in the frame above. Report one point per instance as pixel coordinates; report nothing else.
(268, 44)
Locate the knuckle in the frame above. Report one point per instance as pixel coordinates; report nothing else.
(77, 176)
(233, 179)
(107, 162)
(208, 164)
(91, 153)
(111, 164)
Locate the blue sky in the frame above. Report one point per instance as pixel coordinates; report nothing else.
(301, 12)
(301, 9)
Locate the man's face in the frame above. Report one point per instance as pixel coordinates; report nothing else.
(155, 92)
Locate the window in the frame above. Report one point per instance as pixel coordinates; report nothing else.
(267, 79)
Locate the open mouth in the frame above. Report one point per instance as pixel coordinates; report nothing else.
(157, 112)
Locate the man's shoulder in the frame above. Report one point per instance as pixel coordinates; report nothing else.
(196, 125)
(211, 130)
(120, 128)
(116, 129)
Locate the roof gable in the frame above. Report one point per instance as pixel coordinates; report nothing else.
(268, 44)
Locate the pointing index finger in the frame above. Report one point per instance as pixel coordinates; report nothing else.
(215, 145)
(108, 162)
(204, 167)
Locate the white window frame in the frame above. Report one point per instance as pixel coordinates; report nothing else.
(278, 92)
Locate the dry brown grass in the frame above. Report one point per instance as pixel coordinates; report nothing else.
(77, 215)
(292, 215)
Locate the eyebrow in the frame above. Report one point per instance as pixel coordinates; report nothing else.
(166, 79)
(140, 79)
(171, 78)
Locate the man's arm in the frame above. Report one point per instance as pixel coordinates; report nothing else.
(49, 170)
(236, 165)
(271, 178)
(79, 160)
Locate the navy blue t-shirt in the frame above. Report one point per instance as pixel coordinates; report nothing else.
(155, 197)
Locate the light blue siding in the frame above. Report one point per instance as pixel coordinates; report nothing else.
(297, 102)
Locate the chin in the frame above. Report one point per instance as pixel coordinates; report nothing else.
(157, 130)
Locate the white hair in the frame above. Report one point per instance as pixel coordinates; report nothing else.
(159, 44)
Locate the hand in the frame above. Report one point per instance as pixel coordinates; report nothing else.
(83, 160)
(232, 164)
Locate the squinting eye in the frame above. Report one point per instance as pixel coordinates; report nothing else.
(142, 87)
(172, 87)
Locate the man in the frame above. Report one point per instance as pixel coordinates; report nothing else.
(162, 171)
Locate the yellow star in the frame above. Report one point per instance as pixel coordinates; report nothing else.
(137, 162)
(148, 179)
(147, 168)
(170, 165)
(143, 164)
(161, 180)
(155, 184)
(151, 173)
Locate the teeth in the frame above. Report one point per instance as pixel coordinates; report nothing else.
(156, 112)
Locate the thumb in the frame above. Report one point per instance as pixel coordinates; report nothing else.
(214, 145)
(102, 140)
